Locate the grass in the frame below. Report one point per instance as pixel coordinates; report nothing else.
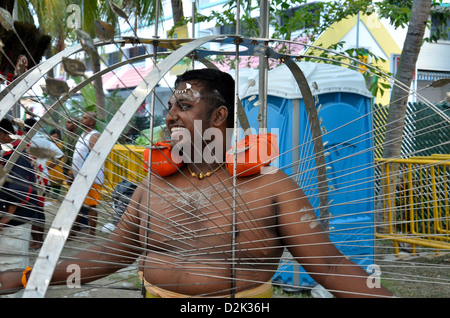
(424, 275)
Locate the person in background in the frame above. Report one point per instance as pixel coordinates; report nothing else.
(85, 143)
(41, 149)
(69, 139)
(55, 167)
(17, 203)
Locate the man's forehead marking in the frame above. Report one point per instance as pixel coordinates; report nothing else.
(182, 91)
(188, 93)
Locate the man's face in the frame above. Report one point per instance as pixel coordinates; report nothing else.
(187, 106)
(70, 125)
(87, 121)
(4, 137)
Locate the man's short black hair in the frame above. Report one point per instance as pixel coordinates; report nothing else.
(55, 132)
(6, 126)
(218, 87)
(29, 122)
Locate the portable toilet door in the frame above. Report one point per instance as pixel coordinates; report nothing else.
(343, 107)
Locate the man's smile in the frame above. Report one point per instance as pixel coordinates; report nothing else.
(176, 132)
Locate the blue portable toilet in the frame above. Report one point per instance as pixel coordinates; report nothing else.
(344, 110)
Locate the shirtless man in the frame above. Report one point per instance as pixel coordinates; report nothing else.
(185, 241)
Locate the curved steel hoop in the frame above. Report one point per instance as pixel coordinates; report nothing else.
(64, 219)
(59, 230)
(316, 135)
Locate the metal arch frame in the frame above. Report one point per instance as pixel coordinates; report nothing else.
(57, 235)
(316, 135)
(52, 63)
(7, 168)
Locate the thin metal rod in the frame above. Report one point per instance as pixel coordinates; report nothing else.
(235, 187)
(236, 114)
(263, 65)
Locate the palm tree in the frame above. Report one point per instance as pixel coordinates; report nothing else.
(399, 97)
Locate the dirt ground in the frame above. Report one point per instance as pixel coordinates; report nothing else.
(424, 275)
(122, 284)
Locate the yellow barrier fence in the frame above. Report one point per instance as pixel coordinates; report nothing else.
(124, 162)
(416, 208)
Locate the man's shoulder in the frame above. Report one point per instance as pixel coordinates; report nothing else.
(94, 133)
(71, 137)
(274, 180)
(270, 173)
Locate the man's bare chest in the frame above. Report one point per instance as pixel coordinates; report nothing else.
(208, 211)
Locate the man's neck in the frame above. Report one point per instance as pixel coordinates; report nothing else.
(203, 167)
(87, 130)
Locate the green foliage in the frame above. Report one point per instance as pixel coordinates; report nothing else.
(397, 11)
(440, 29)
(141, 11)
(311, 19)
(24, 14)
(86, 102)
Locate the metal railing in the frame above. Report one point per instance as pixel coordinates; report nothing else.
(415, 201)
(124, 162)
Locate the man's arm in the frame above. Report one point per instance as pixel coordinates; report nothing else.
(5, 219)
(310, 245)
(93, 139)
(122, 248)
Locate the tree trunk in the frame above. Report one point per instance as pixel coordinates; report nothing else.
(98, 85)
(397, 110)
(406, 69)
(177, 11)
